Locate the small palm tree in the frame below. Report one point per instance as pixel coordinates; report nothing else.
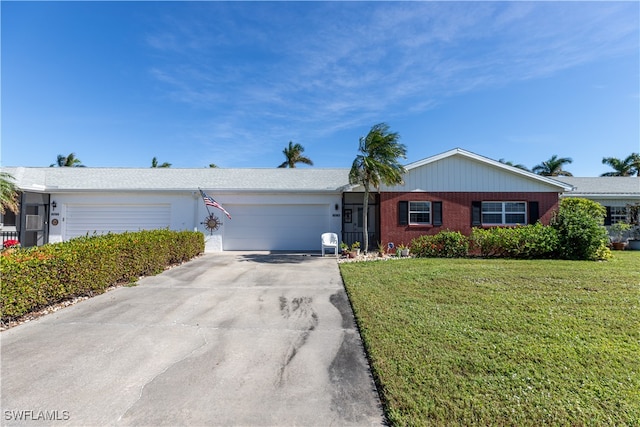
(154, 164)
(8, 193)
(377, 163)
(510, 163)
(553, 167)
(627, 167)
(70, 161)
(293, 153)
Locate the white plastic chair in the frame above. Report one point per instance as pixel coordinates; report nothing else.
(330, 241)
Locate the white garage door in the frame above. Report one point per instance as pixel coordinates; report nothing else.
(81, 219)
(275, 227)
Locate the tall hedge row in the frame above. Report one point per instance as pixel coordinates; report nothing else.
(576, 232)
(528, 242)
(36, 277)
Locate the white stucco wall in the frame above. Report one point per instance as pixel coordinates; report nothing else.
(187, 209)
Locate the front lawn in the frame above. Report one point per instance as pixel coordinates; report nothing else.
(502, 342)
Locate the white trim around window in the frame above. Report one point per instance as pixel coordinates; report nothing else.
(504, 213)
(419, 213)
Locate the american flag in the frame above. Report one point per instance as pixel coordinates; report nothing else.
(209, 201)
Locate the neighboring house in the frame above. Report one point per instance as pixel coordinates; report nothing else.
(613, 192)
(282, 209)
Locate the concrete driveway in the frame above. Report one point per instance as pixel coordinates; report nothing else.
(245, 339)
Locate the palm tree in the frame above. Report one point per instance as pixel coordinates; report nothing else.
(154, 164)
(377, 163)
(510, 163)
(8, 193)
(553, 167)
(636, 163)
(293, 153)
(68, 161)
(627, 167)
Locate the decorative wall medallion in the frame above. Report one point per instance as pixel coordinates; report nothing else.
(211, 223)
(54, 222)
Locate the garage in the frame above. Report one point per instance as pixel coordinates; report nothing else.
(83, 219)
(276, 227)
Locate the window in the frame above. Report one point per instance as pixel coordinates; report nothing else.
(419, 212)
(618, 214)
(504, 213)
(8, 218)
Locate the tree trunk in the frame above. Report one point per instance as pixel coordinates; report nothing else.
(365, 220)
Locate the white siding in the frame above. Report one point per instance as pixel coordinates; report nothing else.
(606, 201)
(462, 174)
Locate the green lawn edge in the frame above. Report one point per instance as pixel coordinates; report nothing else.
(502, 342)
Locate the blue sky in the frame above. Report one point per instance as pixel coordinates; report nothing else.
(232, 83)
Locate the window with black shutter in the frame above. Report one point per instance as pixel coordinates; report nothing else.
(476, 214)
(534, 212)
(403, 212)
(437, 213)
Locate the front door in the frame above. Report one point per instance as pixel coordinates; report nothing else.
(353, 219)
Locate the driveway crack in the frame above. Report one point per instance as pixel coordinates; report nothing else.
(169, 366)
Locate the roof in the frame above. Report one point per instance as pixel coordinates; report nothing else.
(51, 179)
(604, 186)
(73, 179)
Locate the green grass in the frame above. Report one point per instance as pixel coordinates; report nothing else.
(502, 342)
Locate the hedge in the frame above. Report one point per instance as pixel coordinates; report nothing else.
(581, 233)
(445, 244)
(33, 278)
(528, 241)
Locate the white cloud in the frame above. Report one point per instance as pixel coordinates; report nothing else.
(321, 67)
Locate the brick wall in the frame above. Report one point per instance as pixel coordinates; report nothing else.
(456, 211)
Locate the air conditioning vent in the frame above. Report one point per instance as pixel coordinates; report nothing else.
(34, 222)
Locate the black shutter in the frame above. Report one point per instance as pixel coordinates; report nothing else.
(436, 207)
(476, 214)
(403, 213)
(534, 212)
(607, 219)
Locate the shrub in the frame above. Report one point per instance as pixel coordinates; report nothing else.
(581, 234)
(446, 244)
(529, 241)
(11, 243)
(40, 276)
